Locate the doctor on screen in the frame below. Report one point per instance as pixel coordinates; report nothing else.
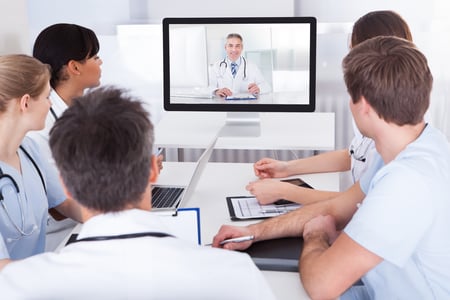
(235, 74)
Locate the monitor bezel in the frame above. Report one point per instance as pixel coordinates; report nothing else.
(230, 107)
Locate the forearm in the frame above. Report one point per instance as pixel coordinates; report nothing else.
(304, 195)
(333, 161)
(290, 224)
(345, 205)
(310, 269)
(71, 209)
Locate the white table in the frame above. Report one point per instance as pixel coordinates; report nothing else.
(279, 131)
(220, 180)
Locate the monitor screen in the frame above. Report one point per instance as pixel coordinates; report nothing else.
(240, 64)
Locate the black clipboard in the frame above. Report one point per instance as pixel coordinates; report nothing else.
(277, 255)
(281, 254)
(282, 202)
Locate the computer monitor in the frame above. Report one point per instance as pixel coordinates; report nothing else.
(277, 53)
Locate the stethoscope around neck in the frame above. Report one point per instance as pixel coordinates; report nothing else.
(21, 205)
(224, 62)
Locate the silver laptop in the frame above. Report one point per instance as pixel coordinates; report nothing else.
(167, 198)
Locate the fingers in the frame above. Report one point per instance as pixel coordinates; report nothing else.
(253, 88)
(229, 232)
(160, 161)
(223, 92)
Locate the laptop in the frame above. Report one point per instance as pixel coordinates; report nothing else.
(167, 198)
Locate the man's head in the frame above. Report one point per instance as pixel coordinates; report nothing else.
(102, 145)
(234, 46)
(393, 76)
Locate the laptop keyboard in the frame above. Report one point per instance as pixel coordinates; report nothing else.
(165, 197)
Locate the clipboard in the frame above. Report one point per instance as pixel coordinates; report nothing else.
(243, 208)
(186, 224)
(241, 96)
(277, 255)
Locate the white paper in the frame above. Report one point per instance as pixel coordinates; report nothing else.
(249, 208)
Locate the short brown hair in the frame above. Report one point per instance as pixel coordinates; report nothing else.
(392, 75)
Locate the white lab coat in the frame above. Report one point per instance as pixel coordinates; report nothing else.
(134, 268)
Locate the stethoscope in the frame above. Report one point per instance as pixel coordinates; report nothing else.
(360, 152)
(20, 229)
(121, 237)
(224, 62)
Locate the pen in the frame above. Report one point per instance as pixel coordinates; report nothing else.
(159, 151)
(280, 210)
(238, 239)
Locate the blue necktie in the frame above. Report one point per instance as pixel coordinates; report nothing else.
(233, 69)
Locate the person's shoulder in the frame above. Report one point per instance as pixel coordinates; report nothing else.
(33, 149)
(30, 145)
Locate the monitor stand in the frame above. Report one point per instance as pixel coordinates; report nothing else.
(241, 124)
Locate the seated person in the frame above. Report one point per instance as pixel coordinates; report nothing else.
(395, 238)
(29, 185)
(235, 74)
(357, 158)
(102, 145)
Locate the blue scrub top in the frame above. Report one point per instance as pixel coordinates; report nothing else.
(23, 215)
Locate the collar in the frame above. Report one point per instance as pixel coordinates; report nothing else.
(238, 62)
(58, 104)
(123, 222)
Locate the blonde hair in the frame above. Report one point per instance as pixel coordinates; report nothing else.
(20, 75)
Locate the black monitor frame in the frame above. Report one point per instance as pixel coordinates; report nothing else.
(231, 107)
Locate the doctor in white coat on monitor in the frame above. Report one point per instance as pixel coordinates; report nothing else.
(235, 74)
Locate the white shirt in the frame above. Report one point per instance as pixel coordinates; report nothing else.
(220, 77)
(135, 268)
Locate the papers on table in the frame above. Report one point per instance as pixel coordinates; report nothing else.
(245, 207)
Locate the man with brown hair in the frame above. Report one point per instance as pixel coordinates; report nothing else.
(395, 238)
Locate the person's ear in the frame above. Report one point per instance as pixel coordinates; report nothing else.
(74, 67)
(24, 100)
(154, 169)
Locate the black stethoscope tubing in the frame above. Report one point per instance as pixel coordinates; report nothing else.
(21, 206)
(224, 62)
(123, 236)
(2, 175)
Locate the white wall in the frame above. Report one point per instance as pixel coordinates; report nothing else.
(131, 60)
(14, 36)
(125, 63)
